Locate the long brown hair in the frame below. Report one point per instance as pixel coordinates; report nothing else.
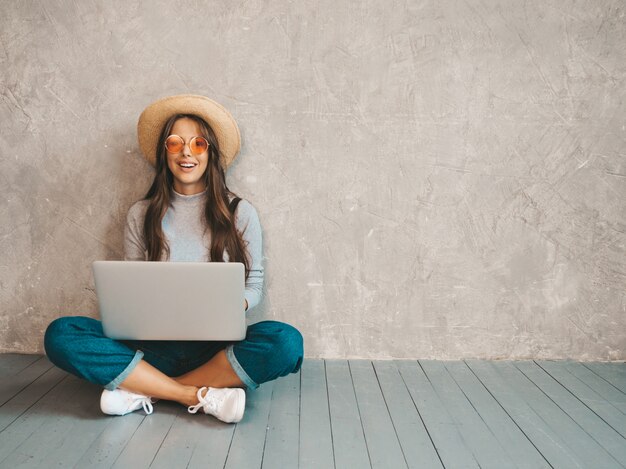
(224, 235)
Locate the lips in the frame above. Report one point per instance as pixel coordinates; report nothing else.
(187, 166)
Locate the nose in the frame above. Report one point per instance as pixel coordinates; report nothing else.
(186, 150)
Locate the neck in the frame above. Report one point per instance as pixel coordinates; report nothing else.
(191, 189)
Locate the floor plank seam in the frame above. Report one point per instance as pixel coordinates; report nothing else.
(330, 421)
(566, 445)
(143, 419)
(35, 403)
(31, 364)
(389, 413)
(452, 417)
(267, 426)
(156, 453)
(230, 445)
(568, 415)
(509, 415)
(28, 384)
(87, 448)
(432, 442)
(582, 402)
(369, 456)
(475, 409)
(602, 378)
(536, 413)
(17, 448)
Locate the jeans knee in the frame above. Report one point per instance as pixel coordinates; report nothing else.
(54, 337)
(55, 330)
(289, 347)
(60, 334)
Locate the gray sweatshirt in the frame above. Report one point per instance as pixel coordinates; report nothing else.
(189, 241)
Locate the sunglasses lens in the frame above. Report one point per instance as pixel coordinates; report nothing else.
(199, 145)
(174, 144)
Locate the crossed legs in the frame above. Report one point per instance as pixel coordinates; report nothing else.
(149, 381)
(78, 345)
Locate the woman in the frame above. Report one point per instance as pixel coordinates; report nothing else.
(188, 214)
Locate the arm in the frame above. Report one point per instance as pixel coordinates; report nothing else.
(134, 246)
(248, 218)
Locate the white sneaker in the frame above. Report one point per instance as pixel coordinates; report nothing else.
(225, 404)
(120, 402)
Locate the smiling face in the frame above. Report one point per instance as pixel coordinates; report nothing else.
(188, 169)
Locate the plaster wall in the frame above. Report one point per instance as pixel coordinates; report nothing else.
(435, 179)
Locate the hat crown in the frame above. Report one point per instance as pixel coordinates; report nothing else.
(154, 117)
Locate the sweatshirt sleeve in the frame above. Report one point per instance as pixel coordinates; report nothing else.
(247, 221)
(134, 246)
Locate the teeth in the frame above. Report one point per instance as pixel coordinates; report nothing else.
(187, 165)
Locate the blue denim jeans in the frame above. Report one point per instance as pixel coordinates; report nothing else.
(76, 344)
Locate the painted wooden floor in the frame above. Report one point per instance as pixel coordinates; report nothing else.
(343, 414)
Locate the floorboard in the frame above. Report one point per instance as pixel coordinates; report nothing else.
(109, 444)
(12, 363)
(588, 451)
(41, 429)
(417, 446)
(480, 439)
(547, 441)
(179, 444)
(212, 442)
(13, 408)
(521, 451)
(444, 430)
(248, 443)
(22, 378)
(380, 435)
(146, 441)
(611, 373)
(333, 414)
(63, 444)
(594, 426)
(194, 441)
(283, 428)
(600, 385)
(316, 444)
(349, 444)
(607, 411)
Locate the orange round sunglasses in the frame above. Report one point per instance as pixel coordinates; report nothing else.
(197, 145)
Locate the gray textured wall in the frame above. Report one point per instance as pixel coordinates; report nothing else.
(434, 179)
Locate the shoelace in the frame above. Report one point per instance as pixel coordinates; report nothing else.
(209, 405)
(146, 403)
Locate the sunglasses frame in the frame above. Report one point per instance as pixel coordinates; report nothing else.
(184, 143)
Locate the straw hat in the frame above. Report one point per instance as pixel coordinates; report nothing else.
(221, 121)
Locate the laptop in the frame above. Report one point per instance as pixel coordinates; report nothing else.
(141, 300)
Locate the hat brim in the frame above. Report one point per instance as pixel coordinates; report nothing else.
(154, 117)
